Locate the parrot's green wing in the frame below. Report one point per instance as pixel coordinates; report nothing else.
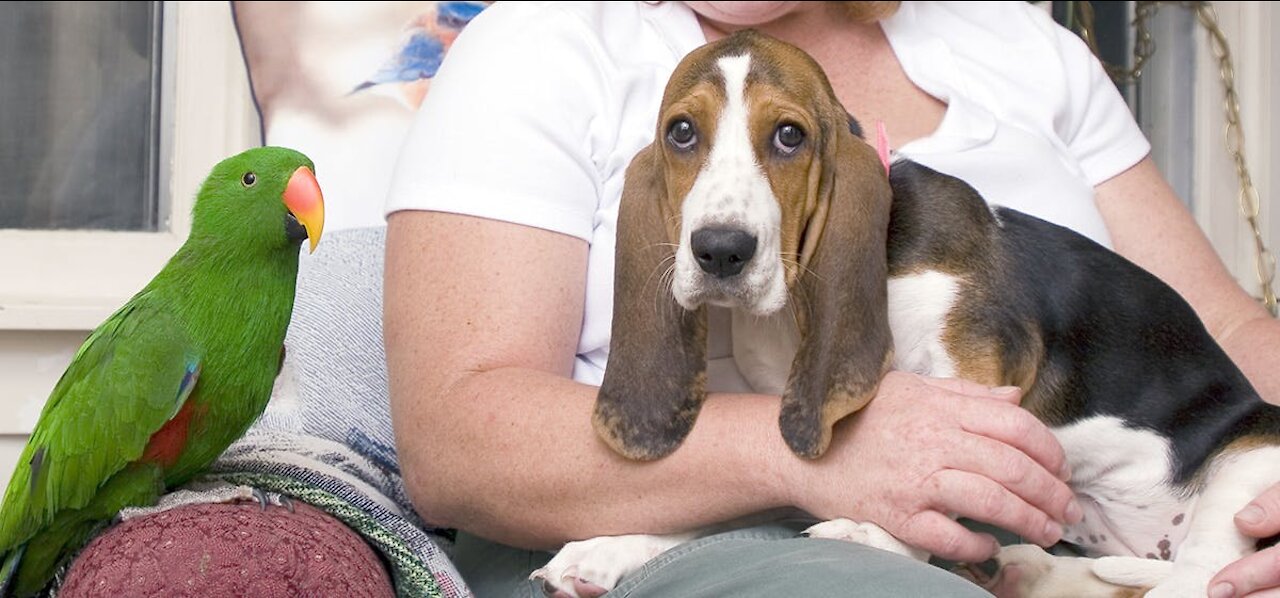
(130, 377)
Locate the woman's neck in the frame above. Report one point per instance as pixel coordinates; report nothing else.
(860, 64)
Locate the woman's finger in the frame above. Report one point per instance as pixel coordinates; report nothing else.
(1018, 473)
(1261, 518)
(1008, 394)
(943, 537)
(1019, 429)
(1253, 573)
(979, 498)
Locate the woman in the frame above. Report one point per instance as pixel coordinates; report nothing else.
(499, 283)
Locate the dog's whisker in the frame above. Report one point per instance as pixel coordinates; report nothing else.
(665, 290)
(801, 267)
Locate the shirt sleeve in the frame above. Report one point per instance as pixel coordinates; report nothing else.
(504, 132)
(1093, 119)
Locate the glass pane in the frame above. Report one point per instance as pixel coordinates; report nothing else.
(79, 115)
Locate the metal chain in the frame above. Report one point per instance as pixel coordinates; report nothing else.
(1143, 48)
(1143, 45)
(1264, 260)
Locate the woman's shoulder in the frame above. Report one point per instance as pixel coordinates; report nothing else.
(1013, 59)
(607, 27)
(1011, 56)
(997, 21)
(1012, 37)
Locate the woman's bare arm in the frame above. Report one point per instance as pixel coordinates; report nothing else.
(482, 323)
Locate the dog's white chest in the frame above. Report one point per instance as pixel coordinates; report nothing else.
(764, 347)
(918, 309)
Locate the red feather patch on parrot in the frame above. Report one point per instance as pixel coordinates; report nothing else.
(167, 444)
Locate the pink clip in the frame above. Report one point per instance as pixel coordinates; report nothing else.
(882, 145)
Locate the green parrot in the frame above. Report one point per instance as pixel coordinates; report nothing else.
(173, 377)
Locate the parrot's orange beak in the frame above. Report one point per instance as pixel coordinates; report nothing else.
(303, 198)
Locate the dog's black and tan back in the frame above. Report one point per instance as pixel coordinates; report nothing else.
(1166, 436)
(1084, 330)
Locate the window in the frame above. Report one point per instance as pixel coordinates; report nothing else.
(80, 115)
(120, 110)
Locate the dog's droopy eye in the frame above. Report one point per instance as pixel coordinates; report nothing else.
(787, 138)
(682, 135)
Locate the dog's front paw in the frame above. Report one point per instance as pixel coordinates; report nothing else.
(590, 568)
(865, 533)
(1183, 582)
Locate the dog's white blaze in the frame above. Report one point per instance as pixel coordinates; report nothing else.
(732, 191)
(918, 307)
(1122, 478)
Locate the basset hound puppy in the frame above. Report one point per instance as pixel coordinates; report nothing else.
(759, 195)
(756, 190)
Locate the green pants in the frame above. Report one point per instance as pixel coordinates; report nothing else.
(765, 561)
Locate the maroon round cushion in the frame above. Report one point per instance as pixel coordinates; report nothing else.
(215, 550)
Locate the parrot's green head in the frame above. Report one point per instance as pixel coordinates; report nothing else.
(264, 198)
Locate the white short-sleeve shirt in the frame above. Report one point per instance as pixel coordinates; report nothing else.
(540, 106)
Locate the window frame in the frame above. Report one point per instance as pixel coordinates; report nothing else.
(72, 280)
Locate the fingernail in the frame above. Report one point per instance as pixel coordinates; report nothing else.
(1064, 472)
(1074, 512)
(1052, 533)
(1005, 391)
(1252, 514)
(1222, 589)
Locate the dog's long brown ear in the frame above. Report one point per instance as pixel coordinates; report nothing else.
(656, 379)
(845, 344)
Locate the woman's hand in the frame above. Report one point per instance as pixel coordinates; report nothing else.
(927, 449)
(1258, 574)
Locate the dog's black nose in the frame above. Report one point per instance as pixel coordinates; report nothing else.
(722, 252)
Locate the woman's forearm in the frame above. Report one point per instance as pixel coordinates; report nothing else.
(514, 458)
(1253, 345)
(482, 320)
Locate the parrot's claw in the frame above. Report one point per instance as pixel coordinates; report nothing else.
(261, 495)
(265, 498)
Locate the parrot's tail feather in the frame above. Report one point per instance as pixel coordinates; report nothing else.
(47, 551)
(59, 541)
(10, 569)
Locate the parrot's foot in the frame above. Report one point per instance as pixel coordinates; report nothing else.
(261, 495)
(265, 498)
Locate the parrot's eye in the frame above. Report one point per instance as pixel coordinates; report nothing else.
(249, 179)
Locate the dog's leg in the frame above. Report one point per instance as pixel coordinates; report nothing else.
(1213, 541)
(865, 533)
(1023, 571)
(602, 561)
(1028, 571)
